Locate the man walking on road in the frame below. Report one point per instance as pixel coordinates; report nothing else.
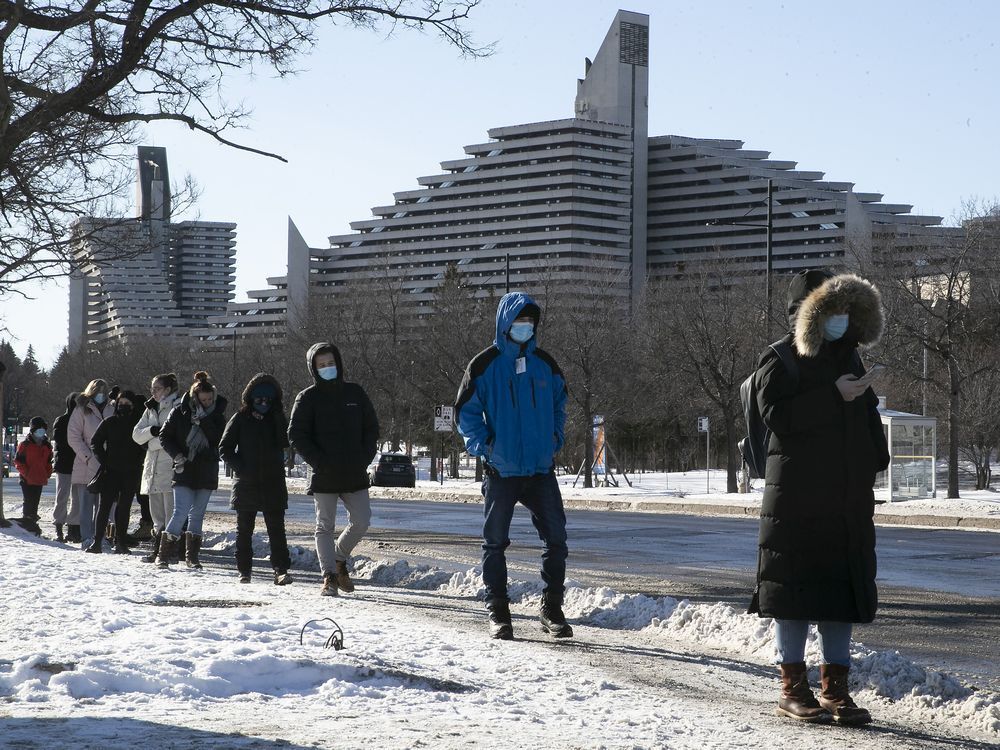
(511, 412)
(334, 428)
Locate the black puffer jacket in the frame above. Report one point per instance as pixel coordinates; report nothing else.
(816, 555)
(201, 473)
(62, 454)
(254, 446)
(334, 428)
(120, 458)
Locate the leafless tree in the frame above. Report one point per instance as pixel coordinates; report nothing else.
(80, 79)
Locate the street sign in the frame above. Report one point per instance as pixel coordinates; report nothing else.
(702, 424)
(444, 418)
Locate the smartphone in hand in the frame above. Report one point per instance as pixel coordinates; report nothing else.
(873, 374)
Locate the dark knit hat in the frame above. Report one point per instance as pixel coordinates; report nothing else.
(38, 422)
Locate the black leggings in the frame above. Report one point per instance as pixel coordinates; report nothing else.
(275, 522)
(122, 500)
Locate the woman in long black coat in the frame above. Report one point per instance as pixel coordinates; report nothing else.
(121, 469)
(816, 557)
(254, 446)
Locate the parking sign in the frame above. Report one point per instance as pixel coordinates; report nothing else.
(444, 418)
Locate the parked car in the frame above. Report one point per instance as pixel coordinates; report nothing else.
(393, 470)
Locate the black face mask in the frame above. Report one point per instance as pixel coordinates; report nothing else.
(124, 411)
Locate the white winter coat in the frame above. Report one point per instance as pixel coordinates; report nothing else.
(158, 468)
(82, 425)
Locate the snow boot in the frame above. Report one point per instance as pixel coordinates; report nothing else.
(168, 543)
(836, 698)
(145, 531)
(95, 547)
(73, 533)
(552, 617)
(797, 700)
(193, 548)
(329, 584)
(344, 582)
(282, 578)
(153, 548)
(501, 628)
(59, 533)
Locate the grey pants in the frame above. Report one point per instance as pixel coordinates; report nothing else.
(359, 515)
(161, 507)
(66, 509)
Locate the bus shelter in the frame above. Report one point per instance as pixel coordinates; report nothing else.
(912, 442)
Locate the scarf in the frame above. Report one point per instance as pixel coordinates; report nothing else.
(196, 440)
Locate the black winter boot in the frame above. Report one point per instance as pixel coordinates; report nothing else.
(153, 549)
(59, 533)
(193, 548)
(168, 544)
(501, 628)
(73, 533)
(552, 617)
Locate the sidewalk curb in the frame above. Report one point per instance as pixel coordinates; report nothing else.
(687, 508)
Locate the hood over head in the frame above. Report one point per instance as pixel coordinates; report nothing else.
(513, 305)
(264, 380)
(837, 294)
(38, 423)
(324, 346)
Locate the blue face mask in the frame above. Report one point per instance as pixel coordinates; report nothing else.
(835, 327)
(39, 434)
(99, 398)
(262, 406)
(522, 332)
(328, 373)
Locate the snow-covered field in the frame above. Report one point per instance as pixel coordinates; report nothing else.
(106, 652)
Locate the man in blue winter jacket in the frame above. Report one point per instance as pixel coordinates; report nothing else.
(512, 412)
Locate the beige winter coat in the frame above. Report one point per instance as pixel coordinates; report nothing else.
(82, 425)
(158, 468)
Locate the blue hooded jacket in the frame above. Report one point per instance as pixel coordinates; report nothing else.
(515, 421)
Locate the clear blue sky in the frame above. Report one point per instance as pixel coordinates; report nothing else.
(896, 97)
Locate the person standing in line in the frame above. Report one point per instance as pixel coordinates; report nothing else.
(816, 551)
(82, 424)
(33, 460)
(253, 445)
(191, 436)
(121, 463)
(158, 466)
(334, 428)
(512, 413)
(66, 511)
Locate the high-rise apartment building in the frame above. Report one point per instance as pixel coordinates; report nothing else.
(594, 199)
(147, 276)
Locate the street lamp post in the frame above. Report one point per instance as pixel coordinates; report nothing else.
(769, 256)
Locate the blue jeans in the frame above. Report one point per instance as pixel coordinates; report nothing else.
(190, 504)
(87, 503)
(834, 641)
(540, 495)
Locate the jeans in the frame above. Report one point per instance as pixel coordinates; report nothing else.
(65, 499)
(834, 641)
(86, 501)
(275, 523)
(359, 516)
(540, 495)
(189, 504)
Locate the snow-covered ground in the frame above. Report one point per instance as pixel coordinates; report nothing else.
(106, 652)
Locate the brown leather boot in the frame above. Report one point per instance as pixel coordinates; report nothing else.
(193, 548)
(836, 698)
(344, 582)
(329, 584)
(797, 700)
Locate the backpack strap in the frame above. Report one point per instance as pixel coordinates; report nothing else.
(784, 351)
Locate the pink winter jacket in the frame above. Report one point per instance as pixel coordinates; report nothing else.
(83, 423)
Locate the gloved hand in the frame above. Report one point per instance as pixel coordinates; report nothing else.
(179, 464)
(154, 430)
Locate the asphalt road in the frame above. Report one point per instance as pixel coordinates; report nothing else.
(939, 589)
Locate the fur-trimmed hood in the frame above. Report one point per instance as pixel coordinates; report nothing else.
(261, 378)
(844, 292)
